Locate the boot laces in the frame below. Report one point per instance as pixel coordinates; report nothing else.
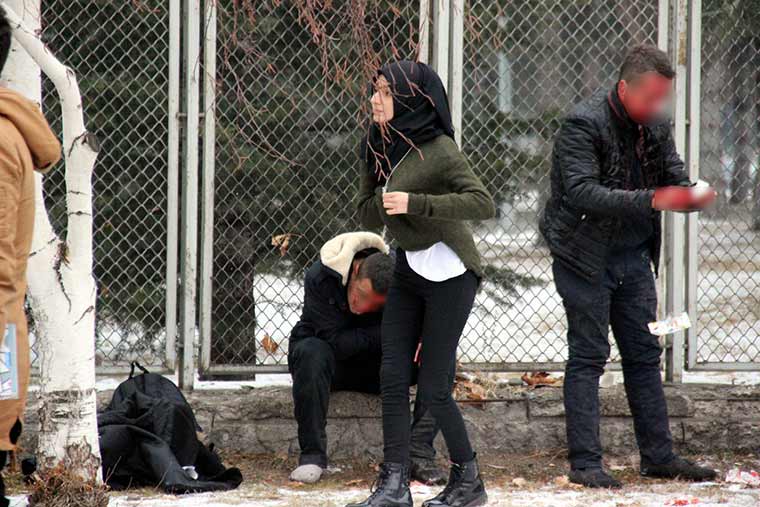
(455, 478)
(377, 484)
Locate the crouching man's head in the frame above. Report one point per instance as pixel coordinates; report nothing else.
(369, 282)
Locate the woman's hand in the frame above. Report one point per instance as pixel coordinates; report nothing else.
(396, 203)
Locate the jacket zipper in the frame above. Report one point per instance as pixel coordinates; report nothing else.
(393, 170)
(385, 189)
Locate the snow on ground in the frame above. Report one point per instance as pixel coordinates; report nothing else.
(527, 324)
(656, 495)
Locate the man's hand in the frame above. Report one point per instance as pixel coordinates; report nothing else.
(396, 203)
(683, 199)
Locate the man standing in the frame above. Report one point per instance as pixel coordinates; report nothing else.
(614, 168)
(26, 144)
(336, 347)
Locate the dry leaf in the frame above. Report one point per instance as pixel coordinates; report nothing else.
(540, 378)
(354, 482)
(519, 482)
(476, 392)
(282, 241)
(468, 390)
(562, 481)
(269, 344)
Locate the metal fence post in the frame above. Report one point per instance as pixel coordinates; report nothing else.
(207, 210)
(693, 152)
(440, 57)
(172, 184)
(674, 222)
(663, 31)
(663, 24)
(423, 51)
(190, 196)
(456, 60)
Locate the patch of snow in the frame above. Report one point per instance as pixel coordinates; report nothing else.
(532, 495)
(526, 324)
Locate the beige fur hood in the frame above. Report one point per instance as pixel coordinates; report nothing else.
(338, 253)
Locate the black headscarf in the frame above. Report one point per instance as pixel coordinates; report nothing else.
(420, 113)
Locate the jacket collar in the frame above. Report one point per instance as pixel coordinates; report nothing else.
(618, 110)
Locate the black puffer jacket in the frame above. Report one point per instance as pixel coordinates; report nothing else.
(590, 180)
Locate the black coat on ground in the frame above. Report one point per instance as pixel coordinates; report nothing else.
(591, 193)
(148, 433)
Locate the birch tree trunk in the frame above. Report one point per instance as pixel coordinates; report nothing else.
(61, 285)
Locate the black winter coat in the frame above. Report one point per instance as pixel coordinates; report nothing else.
(326, 315)
(590, 180)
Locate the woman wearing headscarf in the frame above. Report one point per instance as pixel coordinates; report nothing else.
(418, 185)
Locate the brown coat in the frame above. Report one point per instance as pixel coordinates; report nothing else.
(26, 144)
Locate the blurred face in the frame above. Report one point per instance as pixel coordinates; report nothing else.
(382, 102)
(645, 97)
(362, 298)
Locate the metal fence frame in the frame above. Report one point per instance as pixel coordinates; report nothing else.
(690, 32)
(441, 43)
(62, 25)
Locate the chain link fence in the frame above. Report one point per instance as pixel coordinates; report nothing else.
(290, 111)
(728, 299)
(290, 90)
(287, 161)
(525, 64)
(120, 53)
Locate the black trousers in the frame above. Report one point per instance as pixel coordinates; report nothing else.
(625, 299)
(434, 313)
(316, 373)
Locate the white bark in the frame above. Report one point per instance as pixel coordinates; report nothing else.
(61, 285)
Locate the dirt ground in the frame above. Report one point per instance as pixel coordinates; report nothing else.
(512, 480)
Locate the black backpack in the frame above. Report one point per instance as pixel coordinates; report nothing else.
(148, 438)
(149, 384)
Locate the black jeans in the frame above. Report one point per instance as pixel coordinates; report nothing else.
(315, 373)
(434, 313)
(625, 299)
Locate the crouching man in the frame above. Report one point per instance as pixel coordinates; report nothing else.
(336, 347)
(614, 169)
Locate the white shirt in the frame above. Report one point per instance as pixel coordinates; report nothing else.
(437, 263)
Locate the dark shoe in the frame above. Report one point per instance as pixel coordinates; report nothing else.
(4, 502)
(391, 488)
(426, 472)
(28, 469)
(464, 489)
(593, 478)
(678, 468)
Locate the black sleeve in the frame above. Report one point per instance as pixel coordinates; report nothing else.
(578, 158)
(674, 172)
(335, 327)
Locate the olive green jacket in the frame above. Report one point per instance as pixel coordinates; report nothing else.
(444, 194)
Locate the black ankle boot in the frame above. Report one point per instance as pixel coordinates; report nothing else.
(391, 488)
(464, 489)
